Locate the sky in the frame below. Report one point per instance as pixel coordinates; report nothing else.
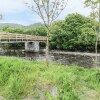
(15, 11)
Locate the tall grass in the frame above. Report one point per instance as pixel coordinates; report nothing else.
(20, 79)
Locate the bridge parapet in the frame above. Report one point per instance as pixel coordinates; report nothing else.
(31, 41)
(20, 37)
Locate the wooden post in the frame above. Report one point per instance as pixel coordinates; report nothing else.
(8, 37)
(26, 38)
(22, 37)
(16, 37)
(0, 37)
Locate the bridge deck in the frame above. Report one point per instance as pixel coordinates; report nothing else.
(9, 37)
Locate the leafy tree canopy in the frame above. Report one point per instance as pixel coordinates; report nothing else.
(76, 32)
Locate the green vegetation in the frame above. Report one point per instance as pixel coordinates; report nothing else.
(35, 30)
(20, 79)
(74, 33)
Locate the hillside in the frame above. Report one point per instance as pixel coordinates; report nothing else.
(13, 25)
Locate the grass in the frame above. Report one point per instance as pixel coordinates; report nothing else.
(20, 79)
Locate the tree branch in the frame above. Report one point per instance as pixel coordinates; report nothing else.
(44, 7)
(58, 13)
(40, 13)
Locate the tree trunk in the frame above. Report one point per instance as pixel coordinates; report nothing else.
(96, 51)
(97, 38)
(47, 49)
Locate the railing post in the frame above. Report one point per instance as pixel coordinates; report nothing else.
(22, 37)
(26, 38)
(16, 37)
(0, 37)
(8, 37)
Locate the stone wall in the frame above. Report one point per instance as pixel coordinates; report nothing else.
(76, 58)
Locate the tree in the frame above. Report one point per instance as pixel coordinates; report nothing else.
(48, 10)
(75, 33)
(95, 14)
(38, 30)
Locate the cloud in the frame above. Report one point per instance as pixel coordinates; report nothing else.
(79, 7)
(16, 6)
(15, 11)
(76, 6)
(12, 6)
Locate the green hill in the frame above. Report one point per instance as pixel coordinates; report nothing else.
(13, 25)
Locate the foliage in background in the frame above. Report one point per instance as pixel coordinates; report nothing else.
(35, 30)
(75, 33)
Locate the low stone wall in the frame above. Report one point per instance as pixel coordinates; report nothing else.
(76, 58)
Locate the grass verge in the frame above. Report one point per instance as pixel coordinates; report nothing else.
(20, 79)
